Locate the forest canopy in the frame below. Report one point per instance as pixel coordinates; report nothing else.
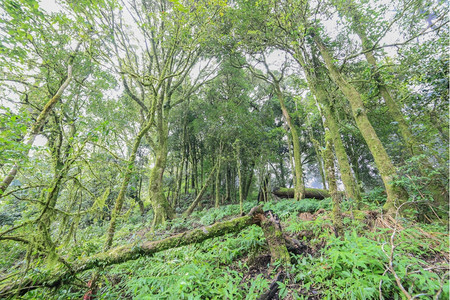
(126, 125)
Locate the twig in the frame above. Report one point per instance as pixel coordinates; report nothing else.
(379, 285)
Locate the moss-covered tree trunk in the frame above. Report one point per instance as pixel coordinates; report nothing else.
(310, 193)
(312, 71)
(331, 178)
(217, 189)
(395, 194)
(350, 184)
(299, 185)
(271, 227)
(124, 253)
(412, 145)
(118, 203)
(162, 211)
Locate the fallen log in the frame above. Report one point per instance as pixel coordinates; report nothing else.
(129, 252)
(278, 243)
(310, 193)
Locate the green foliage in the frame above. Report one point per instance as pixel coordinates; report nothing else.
(286, 208)
(195, 272)
(13, 127)
(355, 266)
(349, 267)
(60, 202)
(423, 202)
(376, 196)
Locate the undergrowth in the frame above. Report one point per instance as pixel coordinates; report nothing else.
(354, 266)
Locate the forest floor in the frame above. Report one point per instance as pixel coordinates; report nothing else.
(362, 264)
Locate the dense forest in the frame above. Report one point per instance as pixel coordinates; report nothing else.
(213, 149)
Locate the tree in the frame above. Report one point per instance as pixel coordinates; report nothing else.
(275, 80)
(174, 36)
(25, 28)
(412, 146)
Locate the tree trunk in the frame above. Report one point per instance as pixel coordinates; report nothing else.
(139, 196)
(271, 227)
(162, 210)
(331, 178)
(437, 189)
(194, 204)
(239, 171)
(179, 182)
(217, 189)
(298, 186)
(310, 193)
(263, 195)
(186, 177)
(227, 183)
(351, 188)
(395, 194)
(282, 172)
(248, 180)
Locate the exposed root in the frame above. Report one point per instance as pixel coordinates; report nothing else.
(272, 293)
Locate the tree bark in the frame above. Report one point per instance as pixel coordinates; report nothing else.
(395, 194)
(162, 211)
(299, 185)
(350, 184)
(310, 193)
(331, 178)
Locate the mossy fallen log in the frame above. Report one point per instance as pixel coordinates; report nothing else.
(310, 193)
(129, 252)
